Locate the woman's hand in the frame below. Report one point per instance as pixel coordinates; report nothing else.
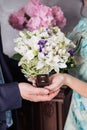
(56, 82)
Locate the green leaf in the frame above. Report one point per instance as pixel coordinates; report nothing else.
(16, 57)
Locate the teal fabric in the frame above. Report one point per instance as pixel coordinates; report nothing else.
(9, 120)
(77, 116)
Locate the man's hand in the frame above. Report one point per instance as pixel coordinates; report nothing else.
(35, 94)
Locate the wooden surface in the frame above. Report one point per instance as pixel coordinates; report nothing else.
(45, 115)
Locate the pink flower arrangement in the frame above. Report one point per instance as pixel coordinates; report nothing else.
(35, 15)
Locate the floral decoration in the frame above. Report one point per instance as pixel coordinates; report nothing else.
(35, 15)
(44, 50)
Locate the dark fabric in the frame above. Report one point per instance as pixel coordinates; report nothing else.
(2, 121)
(9, 96)
(1, 49)
(7, 74)
(9, 92)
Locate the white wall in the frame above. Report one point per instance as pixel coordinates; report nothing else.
(71, 9)
(8, 33)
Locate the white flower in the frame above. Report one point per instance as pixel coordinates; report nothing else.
(21, 49)
(29, 55)
(43, 50)
(39, 65)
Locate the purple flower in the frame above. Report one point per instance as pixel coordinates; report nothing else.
(40, 49)
(42, 42)
(71, 52)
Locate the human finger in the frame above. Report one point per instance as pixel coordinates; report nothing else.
(38, 91)
(46, 97)
(33, 81)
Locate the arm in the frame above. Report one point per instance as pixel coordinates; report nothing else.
(58, 80)
(76, 84)
(9, 96)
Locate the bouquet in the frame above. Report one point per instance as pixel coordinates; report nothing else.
(35, 15)
(44, 51)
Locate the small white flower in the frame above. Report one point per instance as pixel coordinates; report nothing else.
(29, 55)
(39, 65)
(41, 56)
(21, 49)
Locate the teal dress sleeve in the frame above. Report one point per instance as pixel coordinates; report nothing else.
(77, 115)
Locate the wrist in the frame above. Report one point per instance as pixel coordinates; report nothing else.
(69, 80)
(20, 85)
(66, 79)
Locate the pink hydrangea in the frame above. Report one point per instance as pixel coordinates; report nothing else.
(34, 23)
(17, 20)
(59, 18)
(36, 15)
(42, 17)
(31, 8)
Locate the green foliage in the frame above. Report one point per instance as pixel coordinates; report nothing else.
(17, 57)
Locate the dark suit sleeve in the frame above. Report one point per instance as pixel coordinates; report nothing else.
(10, 97)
